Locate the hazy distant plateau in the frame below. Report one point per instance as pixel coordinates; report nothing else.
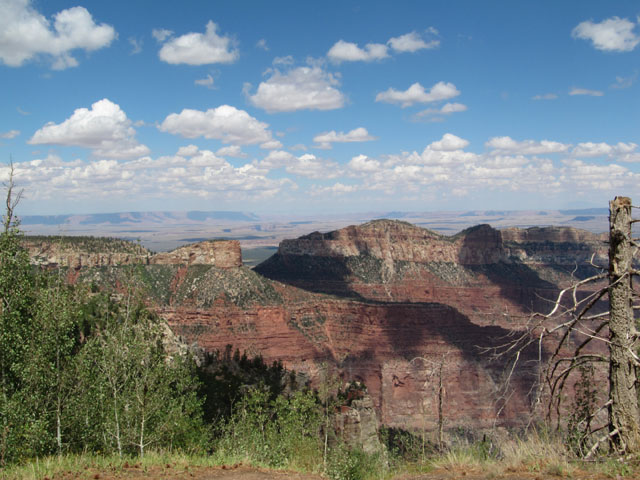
(260, 234)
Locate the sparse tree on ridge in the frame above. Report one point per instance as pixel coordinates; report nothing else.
(583, 333)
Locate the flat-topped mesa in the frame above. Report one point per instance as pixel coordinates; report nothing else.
(378, 238)
(83, 252)
(76, 252)
(556, 245)
(219, 253)
(390, 260)
(399, 241)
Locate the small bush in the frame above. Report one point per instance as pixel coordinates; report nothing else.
(284, 432)
(352, 464)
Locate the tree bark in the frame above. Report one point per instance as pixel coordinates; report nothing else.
(624, 414)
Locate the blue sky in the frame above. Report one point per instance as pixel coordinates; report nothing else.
(319, 107)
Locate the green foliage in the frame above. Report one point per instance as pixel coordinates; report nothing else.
(226, 377)
(88, 244)
(147, 399)
(284, 432)
(80, 371)
(16, 305)
(354, 464)
(17, 295)
(405, 446)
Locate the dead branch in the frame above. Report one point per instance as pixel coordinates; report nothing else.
(596, 445)
(12, 199)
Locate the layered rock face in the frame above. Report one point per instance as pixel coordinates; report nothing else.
(382, 251)
(404, 300)
(221, 253)
(555, 246)
(394, 350)
(79, 252)
(481, 271)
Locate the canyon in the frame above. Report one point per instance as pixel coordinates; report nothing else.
(386, 303)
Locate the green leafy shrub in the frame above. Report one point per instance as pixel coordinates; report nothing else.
(284, 432)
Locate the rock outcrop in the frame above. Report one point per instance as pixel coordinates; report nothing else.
(79, 252)
(220, 253)
(86, 252)
(480, 271)
(381, 251)
(357, 425)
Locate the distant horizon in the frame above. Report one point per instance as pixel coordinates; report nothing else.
(490, 211)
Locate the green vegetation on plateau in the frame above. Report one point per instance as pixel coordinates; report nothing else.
(89, 244)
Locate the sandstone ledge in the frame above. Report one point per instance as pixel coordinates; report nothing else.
(76, 254)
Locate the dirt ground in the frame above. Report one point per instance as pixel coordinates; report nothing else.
(226, 472)
(241, 472)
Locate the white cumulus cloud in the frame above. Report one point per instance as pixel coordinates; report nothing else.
(613, 34)
(202, 174)
(104, 128)
(623, 152)
(435, 114)
(308, 165)
(590, 149)
(225, 123)
(416, 93)
(525, 147)
(302, 88)
(276, 159)
(360, 134)
(188, 151)
(350, 52)
(26, 34)
(233, 151)
(363, 164)
(335, 189)
(411, 42)
(198, 48)
(599, 177)
(453, 108)
(271, 144)
(449, 143)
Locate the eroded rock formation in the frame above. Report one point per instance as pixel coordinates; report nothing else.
(402, 300)
(79, 252)
(220, 253)
(384, 303)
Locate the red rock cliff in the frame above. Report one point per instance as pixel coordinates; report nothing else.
(436, 298)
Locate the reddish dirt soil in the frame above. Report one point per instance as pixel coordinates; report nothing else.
(240, 472)
(235, 472)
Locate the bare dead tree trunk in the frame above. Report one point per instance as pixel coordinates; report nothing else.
(624, 414)
(12, 200)
(440, 404)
